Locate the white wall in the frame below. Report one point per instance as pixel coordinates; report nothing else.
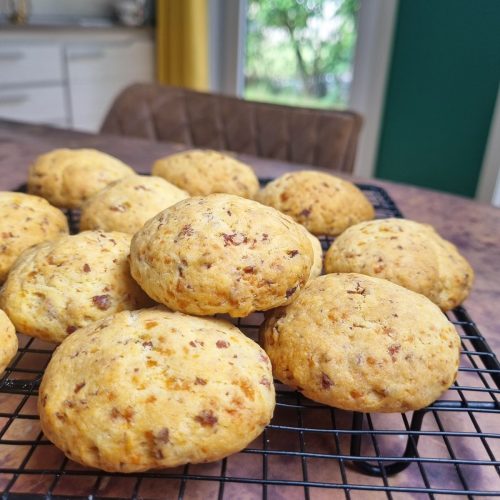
(488, 187)
(496, 194)
(226, 41)
(376, 22)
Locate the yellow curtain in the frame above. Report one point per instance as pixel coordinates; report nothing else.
(182, 43)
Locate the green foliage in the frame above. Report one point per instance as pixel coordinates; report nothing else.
(300, 48)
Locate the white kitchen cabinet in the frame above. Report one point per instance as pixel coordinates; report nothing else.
(97, 72)
(90, 102)
(91, 62)
(28, 63)
(39, 105)
(70, 78)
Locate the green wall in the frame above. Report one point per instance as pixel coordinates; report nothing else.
(441, 93)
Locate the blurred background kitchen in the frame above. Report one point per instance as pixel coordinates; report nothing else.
(424, 74)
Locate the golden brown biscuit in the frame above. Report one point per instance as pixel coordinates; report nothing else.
(61, 285)
(202, 172)
(317, 266)
(128, 203)
(26, 220)
(363, 344)
(154, 388)
(324, 204)
(67, 177)
(405, 252)
(221, 254)
(456, 276)
(8, 341)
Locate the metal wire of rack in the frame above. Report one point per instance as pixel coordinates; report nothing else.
(308, 451)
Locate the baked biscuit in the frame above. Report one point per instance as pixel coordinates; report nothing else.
(363, 344)
(153, 388)
(324, 204)
(26, 220)
(67, 177)
(405, 252)
(8, 341)
(221, 254)
(317, 266)
(128, 203)
(61, 285)
(202, 172)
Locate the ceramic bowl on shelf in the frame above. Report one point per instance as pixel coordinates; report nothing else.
(131, 12)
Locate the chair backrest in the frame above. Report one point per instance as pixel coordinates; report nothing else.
(325, 138)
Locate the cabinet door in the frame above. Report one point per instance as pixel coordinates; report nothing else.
(34, 105)
(98, 72)
(90, 62)
(22, 63)
(90, 103)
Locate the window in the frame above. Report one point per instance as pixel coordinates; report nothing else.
(300, 52)
(243, 64)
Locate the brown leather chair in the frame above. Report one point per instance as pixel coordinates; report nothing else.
(325, 138)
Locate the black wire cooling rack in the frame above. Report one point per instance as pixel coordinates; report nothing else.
(308, 451)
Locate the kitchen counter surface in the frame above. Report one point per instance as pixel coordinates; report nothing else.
(473, 227)
(48, 23)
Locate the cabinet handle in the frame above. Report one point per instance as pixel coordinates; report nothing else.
(11, 56)
(13, 99)
(94, 54)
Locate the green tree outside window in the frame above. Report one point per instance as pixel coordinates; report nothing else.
(300, 52)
